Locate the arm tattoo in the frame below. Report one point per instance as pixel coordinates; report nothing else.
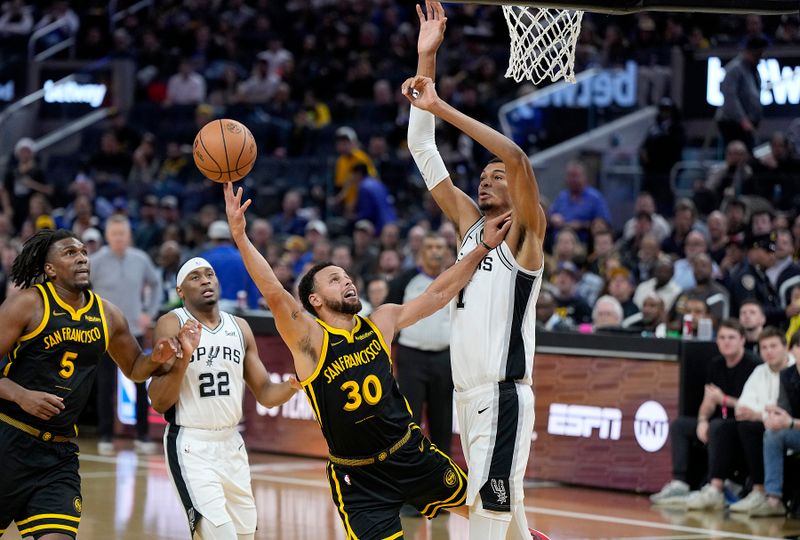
(295, 314)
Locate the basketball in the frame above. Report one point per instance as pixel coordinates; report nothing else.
(224, 150)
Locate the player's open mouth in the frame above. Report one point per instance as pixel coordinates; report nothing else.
(208, 293)
(350, 294)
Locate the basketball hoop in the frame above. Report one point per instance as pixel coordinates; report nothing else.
(544, 32)
(542, 43)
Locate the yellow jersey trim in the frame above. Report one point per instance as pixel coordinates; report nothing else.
(50, 526)
(395, 535)
(342, 511)
(349, 336)
(323, 352)
(102, 317)
(380, 337)
(312, 397)
(37, 517)
(76, 315)
(45, 316)
(433, 508)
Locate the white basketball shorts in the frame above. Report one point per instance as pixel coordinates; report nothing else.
(496, 422)
(211, 474)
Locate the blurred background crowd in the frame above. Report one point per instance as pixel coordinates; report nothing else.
(318, 84)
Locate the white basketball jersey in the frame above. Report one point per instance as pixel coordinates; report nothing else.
(213, 387)
(493, 319)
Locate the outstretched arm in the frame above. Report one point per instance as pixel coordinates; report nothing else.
(266, 392)
(295, 326)
(393, 317)
(456, 205)
(128, 355)
(519, 173)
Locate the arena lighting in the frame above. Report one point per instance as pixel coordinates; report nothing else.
(780, 85)
(73, 92)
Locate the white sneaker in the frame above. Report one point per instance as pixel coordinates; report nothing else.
(768, 509)
(105, 448)
(753, 499)
(708, 498)
(145, 447)
(673, 491)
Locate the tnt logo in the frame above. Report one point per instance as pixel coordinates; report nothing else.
(651, 426)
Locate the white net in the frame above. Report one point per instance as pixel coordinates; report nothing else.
(542, 43)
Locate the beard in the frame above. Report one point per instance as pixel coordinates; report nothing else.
(341, 306)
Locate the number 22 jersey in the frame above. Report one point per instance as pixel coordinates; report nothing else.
(213, 386)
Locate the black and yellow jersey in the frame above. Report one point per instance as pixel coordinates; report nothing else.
(59, 357)
(354, 394)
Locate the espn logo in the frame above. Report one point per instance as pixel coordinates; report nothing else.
(582, 420)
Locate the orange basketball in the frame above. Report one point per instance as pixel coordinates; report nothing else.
(224, 150)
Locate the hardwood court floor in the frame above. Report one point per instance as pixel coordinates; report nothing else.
(129, 497)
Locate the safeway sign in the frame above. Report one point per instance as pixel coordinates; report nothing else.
(780, 84)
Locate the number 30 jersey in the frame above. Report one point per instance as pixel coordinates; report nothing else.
(213, 386)
(354, 394)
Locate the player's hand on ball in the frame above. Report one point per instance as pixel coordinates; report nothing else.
(40, 404)
(421, 92)
(235, 210)
(189, 337)
(496, 229)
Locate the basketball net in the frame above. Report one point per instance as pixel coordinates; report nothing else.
(542, 43)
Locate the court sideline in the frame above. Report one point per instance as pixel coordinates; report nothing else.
(129, 497)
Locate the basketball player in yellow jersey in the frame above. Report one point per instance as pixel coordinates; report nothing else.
(52, 337)
(378, 457)
(492, 329)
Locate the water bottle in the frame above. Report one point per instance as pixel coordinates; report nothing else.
(688, 326)
(704, 329)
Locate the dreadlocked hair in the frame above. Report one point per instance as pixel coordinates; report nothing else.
(28, 267)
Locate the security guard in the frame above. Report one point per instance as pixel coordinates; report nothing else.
(760, 280)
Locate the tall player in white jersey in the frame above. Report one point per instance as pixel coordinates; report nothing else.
(493, 319)
(201, 398)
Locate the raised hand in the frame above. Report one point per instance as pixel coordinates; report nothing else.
(235, 210)
(431, 27)
(40, 404)
(496, 228)
(165, 349)
(189, 337)
(420, 91)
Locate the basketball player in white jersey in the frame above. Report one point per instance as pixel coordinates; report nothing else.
(493, 318)
(201, 398)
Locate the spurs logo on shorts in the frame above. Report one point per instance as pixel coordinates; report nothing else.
(499, 488)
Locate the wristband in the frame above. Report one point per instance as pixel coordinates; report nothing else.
(484, 244)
